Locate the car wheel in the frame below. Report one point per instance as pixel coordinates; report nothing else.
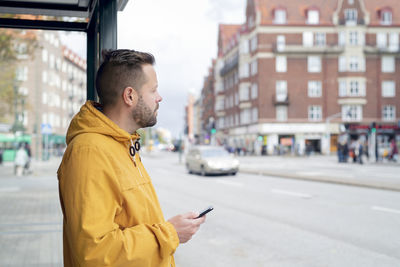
(203, 171)
(188, 169)
(233, 173)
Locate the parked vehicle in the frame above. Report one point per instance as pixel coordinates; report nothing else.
(211, 160)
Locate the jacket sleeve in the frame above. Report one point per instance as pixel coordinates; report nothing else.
(91, 199)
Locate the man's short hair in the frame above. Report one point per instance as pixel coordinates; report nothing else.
(121, 68)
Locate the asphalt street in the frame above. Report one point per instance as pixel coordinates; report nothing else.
(258, 220)
(266, 221)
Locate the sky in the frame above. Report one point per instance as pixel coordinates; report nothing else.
(182, 35)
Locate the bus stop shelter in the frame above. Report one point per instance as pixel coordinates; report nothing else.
(97, 18)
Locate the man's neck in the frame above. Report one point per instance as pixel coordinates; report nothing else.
(119, 117)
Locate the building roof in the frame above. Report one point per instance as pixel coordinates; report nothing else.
(296, 10)
(226, 35)
(74, 58)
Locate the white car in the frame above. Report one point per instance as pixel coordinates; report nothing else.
(211, 160)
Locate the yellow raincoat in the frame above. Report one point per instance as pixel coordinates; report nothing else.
(112, 216)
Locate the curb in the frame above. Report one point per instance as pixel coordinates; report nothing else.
(324, 179)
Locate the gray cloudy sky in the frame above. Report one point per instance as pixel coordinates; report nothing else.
(182, 35)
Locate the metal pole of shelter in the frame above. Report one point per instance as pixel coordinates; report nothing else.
(101, 34)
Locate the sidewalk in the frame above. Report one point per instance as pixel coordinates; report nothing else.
(325, 169)
(31, 218)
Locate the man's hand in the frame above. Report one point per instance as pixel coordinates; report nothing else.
(186, 225)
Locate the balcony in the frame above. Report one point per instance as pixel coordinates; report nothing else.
(300, 49)
(280, 100)
(230, 66)
(391, 50)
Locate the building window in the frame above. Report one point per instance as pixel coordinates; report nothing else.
(281, 91)
(254, 91)
(388, 89)
(280, 16)
(280, 64)
(342, 89)
(236, 99)
(308, 39)
(314, 89)
(386, 18)
(353, 38)
(351, 112)
(219, 104)
(342, 64)
(352, 88)
(52, 61)
(314, 113)
(254, 67)
(280, 42)
(394, 42)
(389, 113)
(320, 39)
(44, 98)
(353, 64)
(388, 64)
(350, 16)
(21, 73)
(312, 17)
(244, 70)
(244, 92)
(314, 64)
(381, 40)
(254, 115)
(253, 43)
(245, 116)
(244, 47)
(281, 113)
(342, 38)
(44, 55)
(351, 2)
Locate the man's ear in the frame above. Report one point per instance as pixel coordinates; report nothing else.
(130, 96)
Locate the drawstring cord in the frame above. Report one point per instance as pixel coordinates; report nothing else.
(132, 151)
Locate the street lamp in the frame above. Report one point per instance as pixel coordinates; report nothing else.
(328, 130)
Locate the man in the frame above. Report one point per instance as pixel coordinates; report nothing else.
(112, 216)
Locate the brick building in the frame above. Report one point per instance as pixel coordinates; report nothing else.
(53, 82)
(301, 73)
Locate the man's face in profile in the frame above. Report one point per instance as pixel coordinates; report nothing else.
(145, 112)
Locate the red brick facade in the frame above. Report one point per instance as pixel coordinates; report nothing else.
(328, 57)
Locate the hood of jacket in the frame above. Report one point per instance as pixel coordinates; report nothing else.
(91, 120)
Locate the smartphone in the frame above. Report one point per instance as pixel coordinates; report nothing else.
(204, 212)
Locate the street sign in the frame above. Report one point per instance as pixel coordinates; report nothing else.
(46, 128)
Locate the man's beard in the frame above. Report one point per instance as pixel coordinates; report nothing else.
(143, 115)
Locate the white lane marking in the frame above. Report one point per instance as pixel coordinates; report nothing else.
(290, 193)
(385, 209)
(310, 173)
(230, 183)
(9, 189)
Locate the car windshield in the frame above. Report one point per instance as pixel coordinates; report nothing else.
(208, 153)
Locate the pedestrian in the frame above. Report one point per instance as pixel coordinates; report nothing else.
(111, 213)
(393, 151)
(20, 161)
(359, 151)
(1, 156)
(345, 152)
(29, 153)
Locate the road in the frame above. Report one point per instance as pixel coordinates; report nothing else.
(266, 221)
(257, 221)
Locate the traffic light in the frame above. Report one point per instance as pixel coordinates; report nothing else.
(373, 127)
(213, 131)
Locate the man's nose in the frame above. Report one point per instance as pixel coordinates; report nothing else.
(159, 98)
